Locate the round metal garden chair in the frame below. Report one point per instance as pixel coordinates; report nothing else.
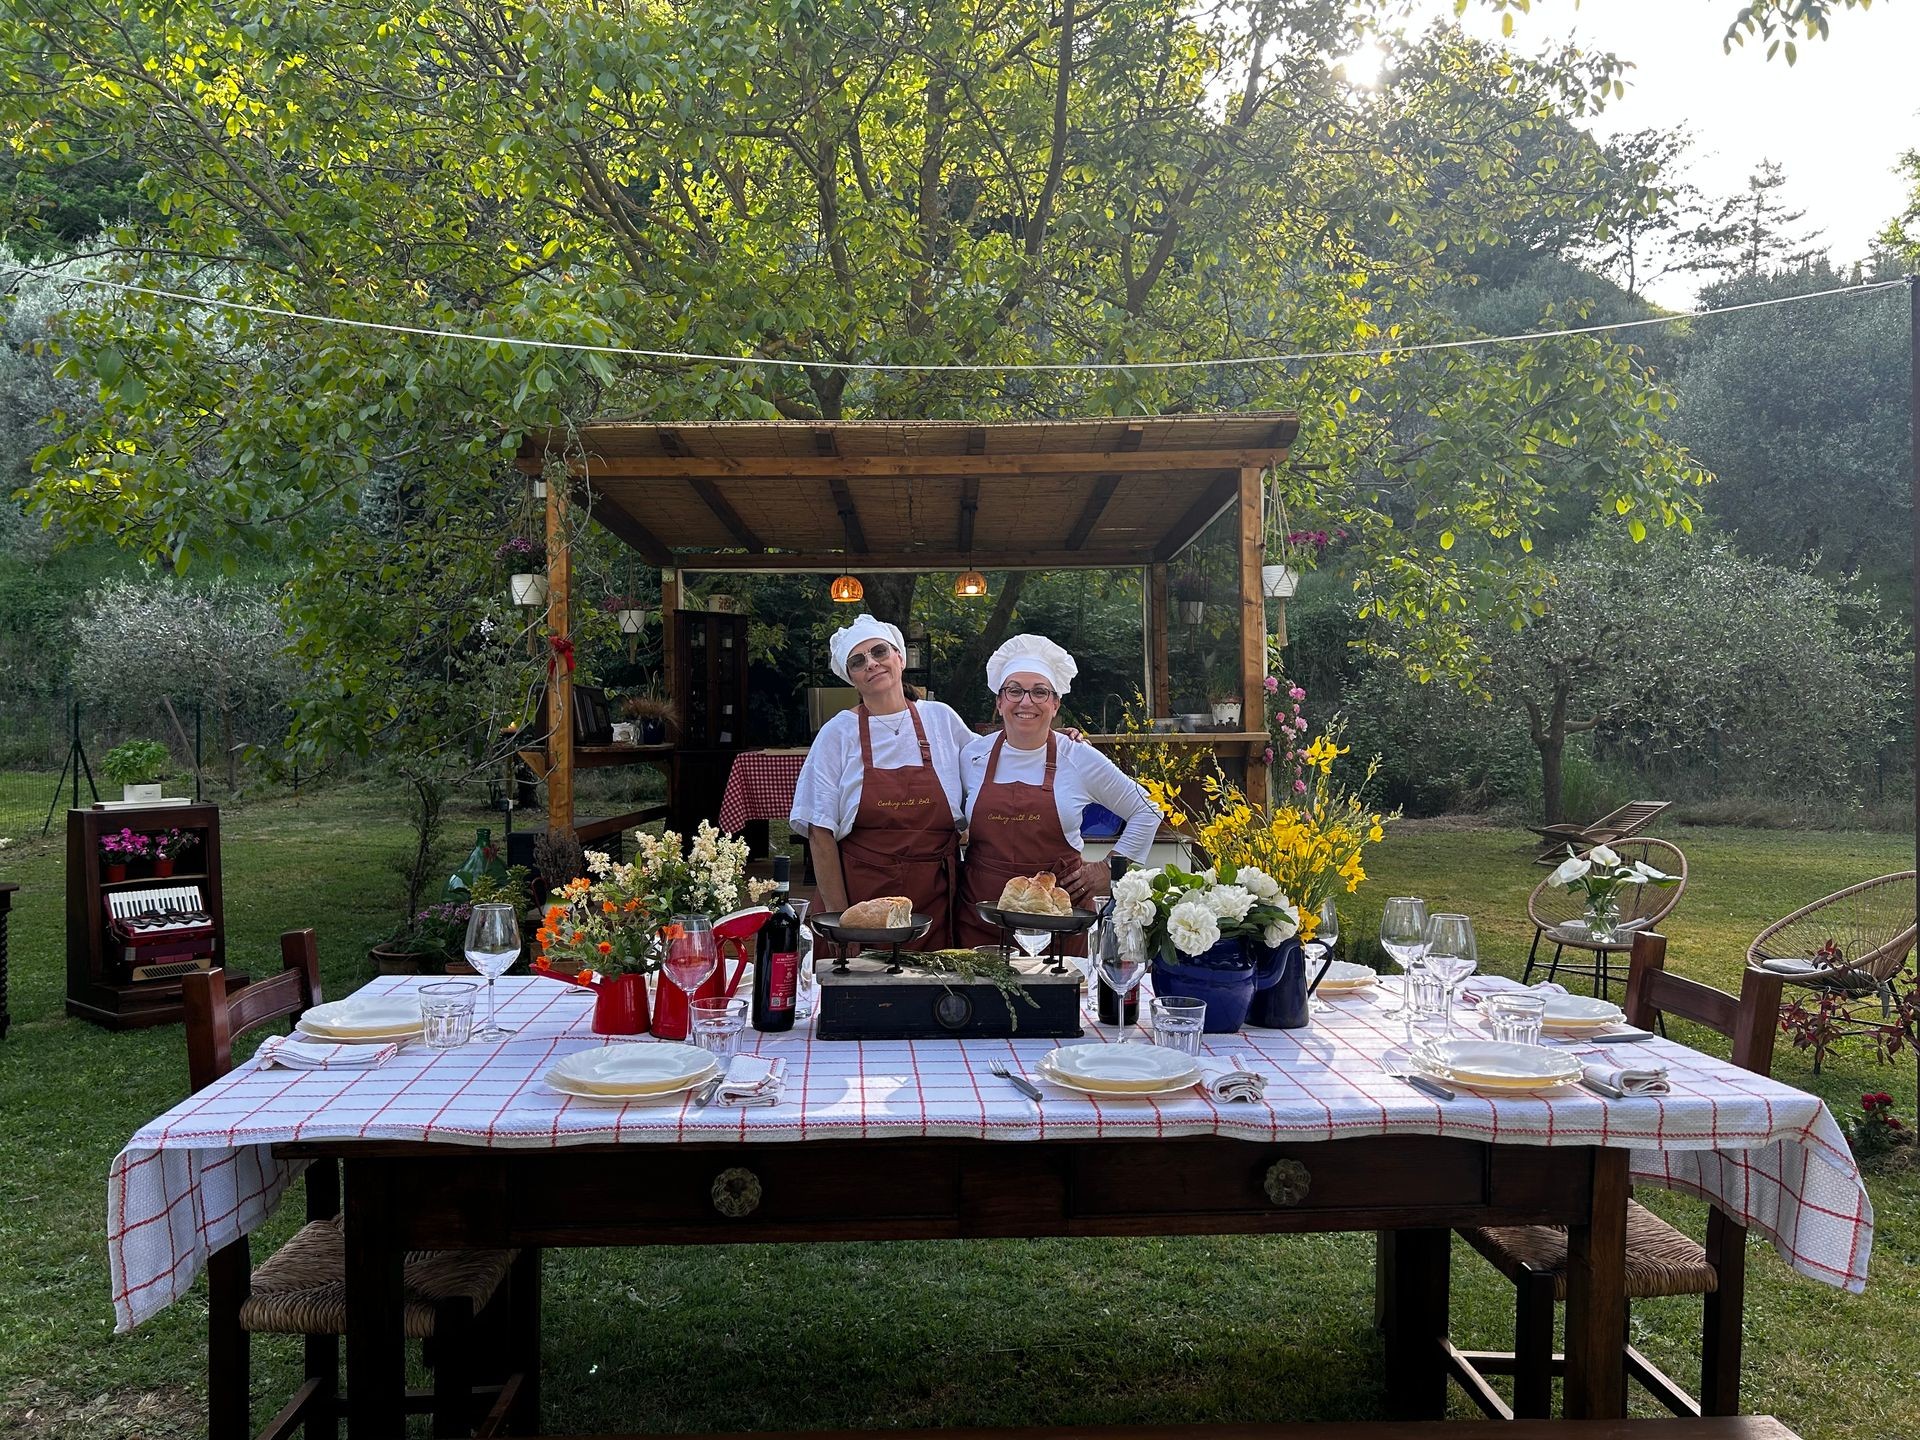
(1850, 944)
(1642, 907)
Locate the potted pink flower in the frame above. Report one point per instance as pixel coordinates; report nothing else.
(120, 850)
(168, 846)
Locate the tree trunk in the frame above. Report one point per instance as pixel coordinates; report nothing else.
(1551, 738)
(233, 756)
(890, 597)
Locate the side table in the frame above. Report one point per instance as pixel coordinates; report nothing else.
(6, 904)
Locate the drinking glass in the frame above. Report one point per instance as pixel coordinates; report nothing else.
(1178, 1022)
(1451, 954)
(1329, 931)
(804, 997)
(446, 1013)
(1426, 1007)
(1518, 1018)
(692, 954)
(1032, 942)
(493, 944)
(1403, 935)
(717, 1025)
(1122, 968)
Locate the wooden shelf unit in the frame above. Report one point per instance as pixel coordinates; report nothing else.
(710, 669)
(98, 986)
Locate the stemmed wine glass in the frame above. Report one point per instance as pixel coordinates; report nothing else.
(1122, 968)
(1403, 935)
(692, 955)
(1329, 931)
(493, 944)
(1032, 942)
(1451, 955)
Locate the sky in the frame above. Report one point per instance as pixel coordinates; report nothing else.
(1837, 121)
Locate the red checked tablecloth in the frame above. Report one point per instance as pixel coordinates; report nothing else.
(203, 1174)
(760, 787)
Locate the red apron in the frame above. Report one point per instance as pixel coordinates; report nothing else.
(903, 841)
(1015, 830)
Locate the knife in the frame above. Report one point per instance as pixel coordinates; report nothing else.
(1605, 1092)
(1433, 1089)
(703, 1097)
(1617, 1037)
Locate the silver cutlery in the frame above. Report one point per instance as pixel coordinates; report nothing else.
(1432, 1089)
(1618, 1037)
(703, 1097)
(1602, 1089)
(1019, 1082)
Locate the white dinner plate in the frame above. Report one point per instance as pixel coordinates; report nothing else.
(359, 1017)
(1580, 1012)
(601, 1097)
(1345, 975)
(1497, 1064)
(624, 1071)
(1122, 1069)
(373, 1037)
(1148, 1092)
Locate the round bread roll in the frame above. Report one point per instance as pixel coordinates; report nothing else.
(1035, 895)
(885, 912)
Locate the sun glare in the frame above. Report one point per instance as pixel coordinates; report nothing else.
(1362, 68)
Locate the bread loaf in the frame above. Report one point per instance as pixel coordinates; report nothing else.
(885, 912)
(1035, 895)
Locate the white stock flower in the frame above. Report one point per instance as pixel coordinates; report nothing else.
(1133, 886)
(1265, 888)
(1572, 869)
(1229, 902)
(598, 862)
(1193, 928)
(1281, 931)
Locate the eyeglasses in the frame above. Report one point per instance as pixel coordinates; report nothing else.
(858, 660)
(1039, 694)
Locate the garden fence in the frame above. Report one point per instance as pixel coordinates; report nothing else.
(51, 748)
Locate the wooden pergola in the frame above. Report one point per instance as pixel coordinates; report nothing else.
(870, 496)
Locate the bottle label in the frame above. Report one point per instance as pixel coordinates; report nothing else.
(783, 979)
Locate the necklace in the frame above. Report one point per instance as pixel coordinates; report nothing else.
(897, 724)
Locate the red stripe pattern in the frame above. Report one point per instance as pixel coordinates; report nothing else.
(203, 1173)
(760, 786)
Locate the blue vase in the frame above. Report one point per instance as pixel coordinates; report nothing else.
(1283, 1004)
(1227, 977)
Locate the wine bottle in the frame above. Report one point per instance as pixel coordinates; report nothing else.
(776, 967)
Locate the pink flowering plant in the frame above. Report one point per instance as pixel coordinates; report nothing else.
(1875, 1132)
(522, 555)
(124, 847)
(171, 844)
(1286, 737)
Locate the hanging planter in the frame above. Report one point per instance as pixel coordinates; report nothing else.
(628, 615)
(528, 589)
(1278, 582)
(526, 560)
(1192, 612)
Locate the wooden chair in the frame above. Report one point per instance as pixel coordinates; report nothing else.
(1645, 907)
(467, 1307)
(1660, 1259)
(1850, 945)
(1621, 824)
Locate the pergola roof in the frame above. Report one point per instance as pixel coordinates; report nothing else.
(922, 495)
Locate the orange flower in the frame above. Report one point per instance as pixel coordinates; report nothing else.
(578, 936)
(604, 948)
(673, 932)
(541, 964)
(554, 912)
(631, 906)
(607, 907)
(584, 976)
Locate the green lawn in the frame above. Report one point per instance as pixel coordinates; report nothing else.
(897, 1335)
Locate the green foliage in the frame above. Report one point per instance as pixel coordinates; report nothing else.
(137, 762)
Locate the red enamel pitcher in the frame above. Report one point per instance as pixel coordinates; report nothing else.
(733, 932)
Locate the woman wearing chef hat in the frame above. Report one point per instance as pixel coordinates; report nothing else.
(1025, 791)
(879, 796)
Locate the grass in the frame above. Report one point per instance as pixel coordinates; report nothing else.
(906, 1334)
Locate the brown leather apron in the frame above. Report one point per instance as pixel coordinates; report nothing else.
(903, 841)
(1015, 830)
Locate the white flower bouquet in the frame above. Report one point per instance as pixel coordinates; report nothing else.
(1169, 911)
(1602, 875)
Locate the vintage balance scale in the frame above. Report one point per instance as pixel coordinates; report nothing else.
(883, 994)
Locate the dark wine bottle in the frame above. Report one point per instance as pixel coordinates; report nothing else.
(776, 966)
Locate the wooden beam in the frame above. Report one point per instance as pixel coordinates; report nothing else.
(969, 508)
(711, 497)
(906, 562)
(903, 467)
(560, 683)
(1253, 622)
(620, 524)
(1090, 513)
(849, 513)
(1159, 689)
(1202, 513)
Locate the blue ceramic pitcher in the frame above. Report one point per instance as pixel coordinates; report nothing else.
(1283, 1004)
(1227, 977)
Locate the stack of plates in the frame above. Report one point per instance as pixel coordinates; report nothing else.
(1497, 1065)
(620, 1073)
(1120, 1070)
(1344, 977)
(364, 1020)
(1580, 1014)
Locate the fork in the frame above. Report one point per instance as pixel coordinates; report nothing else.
(1020, 1082)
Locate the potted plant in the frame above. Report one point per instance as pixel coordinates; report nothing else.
(651, 711)
(1226, 706)
(168, 846)
(137, 767)
(430, 939)
(1190, 596)
(120, 851)
(1601, 874)
(527, 561)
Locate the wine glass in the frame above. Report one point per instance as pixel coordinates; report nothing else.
(493, 944)
(692, 954)
(1403, 935)
(1122, 967)
(1451, 954)
(1032, 942)
(1329, 931)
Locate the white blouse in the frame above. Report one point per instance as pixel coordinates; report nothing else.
(828, 792)
(1081, 775)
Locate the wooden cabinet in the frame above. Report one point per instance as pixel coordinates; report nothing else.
(100, 983)
(710, 673)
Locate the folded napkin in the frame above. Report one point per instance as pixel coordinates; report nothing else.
(295, 1054)
(1628, 1079)
(1476, 988)
(753, 1080)
(1225, 1080)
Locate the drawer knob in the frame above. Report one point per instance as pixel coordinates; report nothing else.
(1287, 1182)
(736, 1193)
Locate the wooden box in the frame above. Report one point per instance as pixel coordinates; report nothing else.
(867, 1003)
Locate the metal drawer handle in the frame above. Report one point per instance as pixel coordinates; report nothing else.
(736, 1193)
(1287, 1182)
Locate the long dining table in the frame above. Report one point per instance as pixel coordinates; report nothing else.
(467, 1148)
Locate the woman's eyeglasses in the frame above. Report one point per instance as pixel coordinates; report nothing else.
(858, 660)
(1039, 694)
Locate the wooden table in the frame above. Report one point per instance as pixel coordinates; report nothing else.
(1411, 1189)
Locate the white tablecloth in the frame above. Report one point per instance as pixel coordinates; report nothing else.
(202, 1174)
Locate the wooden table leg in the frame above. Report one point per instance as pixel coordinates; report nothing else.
(376, 1344)
(1411, 1299)
(1596, 1385)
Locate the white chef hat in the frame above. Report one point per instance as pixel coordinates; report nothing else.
(1034, 655)
(864, 627)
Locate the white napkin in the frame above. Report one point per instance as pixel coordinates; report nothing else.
(1477, 987)
(1225, 1080)
(753, 1080)
(1629, 1079)
(321, 1055)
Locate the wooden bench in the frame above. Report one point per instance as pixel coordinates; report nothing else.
(1723, 1427)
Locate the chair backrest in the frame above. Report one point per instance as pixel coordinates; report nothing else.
(1749, 1021)
(1869, 925)
(1550, 905)
(215, 1019)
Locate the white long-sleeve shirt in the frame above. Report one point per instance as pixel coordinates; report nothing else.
(1081, 775)
(828, 792)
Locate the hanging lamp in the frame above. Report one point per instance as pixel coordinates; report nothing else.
(970, 586)
(848, 590)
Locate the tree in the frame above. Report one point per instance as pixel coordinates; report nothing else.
(1752, 233)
